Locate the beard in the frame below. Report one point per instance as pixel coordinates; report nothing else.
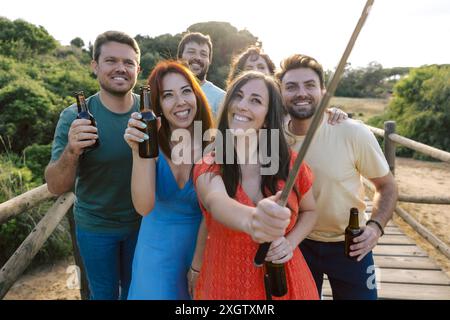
(204, 69)
(302, 112)
(118, 92)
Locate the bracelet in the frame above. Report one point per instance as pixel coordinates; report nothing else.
(377, 224)
(193, 270)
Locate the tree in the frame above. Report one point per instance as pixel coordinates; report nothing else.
(372, 81)
(18, 37)
(421, 107)
(77, 42)
(27, 115)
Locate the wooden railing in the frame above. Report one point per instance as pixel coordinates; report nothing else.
(390, 141)
(18, 262)
(23, 256)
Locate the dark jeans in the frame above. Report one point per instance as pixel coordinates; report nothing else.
(107, 258)
(349, 279)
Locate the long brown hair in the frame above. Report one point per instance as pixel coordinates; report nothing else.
(231, 173)
(203, 113)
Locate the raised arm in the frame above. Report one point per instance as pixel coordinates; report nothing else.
(281, 250)
(265, 223)
(143, 174)
(60, 174)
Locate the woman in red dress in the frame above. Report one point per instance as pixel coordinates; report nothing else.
(238, 199)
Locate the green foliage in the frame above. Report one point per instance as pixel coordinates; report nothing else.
(77, 42)
(28, 113)
(21, 39)
(370, 82)
(421, 107)
(36, 158)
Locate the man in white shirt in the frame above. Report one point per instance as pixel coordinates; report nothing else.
(338, 155)
(196, 49)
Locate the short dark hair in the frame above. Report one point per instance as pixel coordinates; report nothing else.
(196, 37)
(114, 36)
(297, 61)
(237, 65)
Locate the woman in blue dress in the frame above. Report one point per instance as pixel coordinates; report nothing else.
(162, 189)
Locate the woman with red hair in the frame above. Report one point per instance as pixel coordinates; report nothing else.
(162, 190)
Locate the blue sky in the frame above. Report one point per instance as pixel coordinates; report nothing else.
(397, 33)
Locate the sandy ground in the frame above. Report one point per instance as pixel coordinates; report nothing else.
(414, 177)
(427, 179)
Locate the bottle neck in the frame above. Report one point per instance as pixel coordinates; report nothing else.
(353, 221)
(81, 104)
(145, 101)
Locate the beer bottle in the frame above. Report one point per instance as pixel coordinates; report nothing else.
(84, 113)
(277, 278)
(352, 231)
(148, 148)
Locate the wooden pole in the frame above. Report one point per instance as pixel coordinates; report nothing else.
(424, 232)
(424, 199)
(25, 201)
(20, 260)
(414, 145)
(421, 147)
(84, 284)
(389, 145)
(376, 131)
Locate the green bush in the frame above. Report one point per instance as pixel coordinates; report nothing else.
(28, 114)
(36, 158)
(421, 108)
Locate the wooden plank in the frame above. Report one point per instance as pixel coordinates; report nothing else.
(404, 291)
(405, 262)
(398, 239)
(432, 277)
(436, 277)
(395, 231)
(396, 250)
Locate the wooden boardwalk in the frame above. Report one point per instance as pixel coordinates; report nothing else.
(405, 271)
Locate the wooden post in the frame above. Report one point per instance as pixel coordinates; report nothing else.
(20, 260)
(84, 284)
(389, 145)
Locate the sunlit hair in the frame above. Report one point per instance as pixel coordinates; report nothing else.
(297, 61)
(114, 36)
(155, 81)
(196, 37)
(231, 173)
(252, 53)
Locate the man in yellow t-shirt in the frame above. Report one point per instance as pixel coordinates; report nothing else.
(338, 155)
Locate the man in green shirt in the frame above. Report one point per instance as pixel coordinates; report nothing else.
(106, 222)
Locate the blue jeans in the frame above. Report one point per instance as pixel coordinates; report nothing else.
(349, 279)
(107, 258)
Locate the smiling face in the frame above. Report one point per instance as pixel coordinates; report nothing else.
(117, 68)
(197, 56)
(301, 92)
(178, 101)
(249, 106)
